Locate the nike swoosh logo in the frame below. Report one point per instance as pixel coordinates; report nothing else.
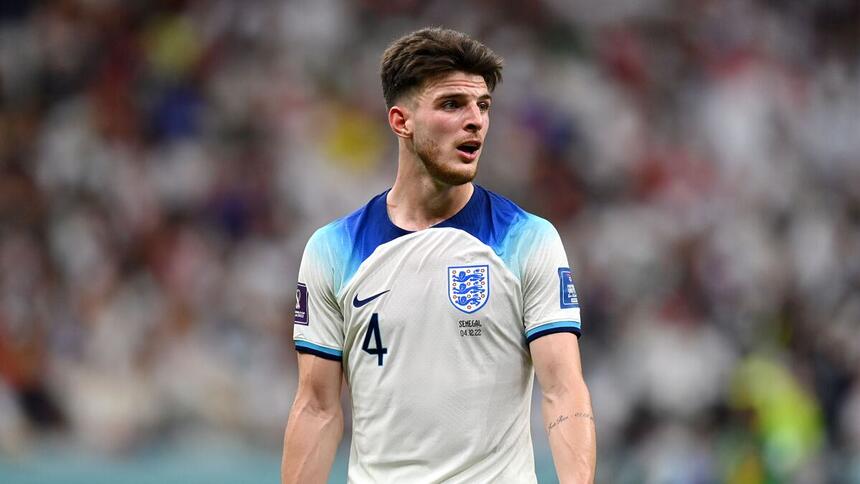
(361, 302)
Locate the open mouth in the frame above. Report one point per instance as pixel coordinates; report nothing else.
(469, 147)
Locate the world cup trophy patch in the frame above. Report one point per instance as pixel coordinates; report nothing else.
(301, 314)
(469, 287)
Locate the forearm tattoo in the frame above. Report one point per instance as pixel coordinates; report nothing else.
(584, 415)
(555, 423)
(561, 418)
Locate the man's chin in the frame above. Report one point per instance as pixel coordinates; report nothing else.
(454, 174)
(455, 177)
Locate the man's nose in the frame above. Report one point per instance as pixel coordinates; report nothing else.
(474, 118)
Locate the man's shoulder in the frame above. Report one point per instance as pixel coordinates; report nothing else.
(516, 219)
(344, 228)
(342, 244)
(498, 200)
(348, 241)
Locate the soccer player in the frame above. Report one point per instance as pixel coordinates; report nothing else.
(438, 301)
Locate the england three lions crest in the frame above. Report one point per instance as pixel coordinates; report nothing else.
(469, 287)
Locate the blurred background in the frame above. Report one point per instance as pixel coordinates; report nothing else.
(162, 164)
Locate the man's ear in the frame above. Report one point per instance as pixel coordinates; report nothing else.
(400, 120)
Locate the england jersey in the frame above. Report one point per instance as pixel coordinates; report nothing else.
(432, 329)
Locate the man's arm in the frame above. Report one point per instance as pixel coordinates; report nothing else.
(566, 407)
(316, 422)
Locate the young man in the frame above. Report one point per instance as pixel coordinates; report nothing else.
(437, 301)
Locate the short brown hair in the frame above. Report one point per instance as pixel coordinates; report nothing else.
(427, 53)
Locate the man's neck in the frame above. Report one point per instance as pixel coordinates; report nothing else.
(418, 202)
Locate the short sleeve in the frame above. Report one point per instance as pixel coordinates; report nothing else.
(550, 303)
(318, 324)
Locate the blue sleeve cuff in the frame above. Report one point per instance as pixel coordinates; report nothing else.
(317, 350)
(552, 328)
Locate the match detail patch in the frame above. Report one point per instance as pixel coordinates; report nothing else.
(301, 304)
(567, 293)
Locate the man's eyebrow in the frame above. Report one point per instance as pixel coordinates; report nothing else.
(455, 95)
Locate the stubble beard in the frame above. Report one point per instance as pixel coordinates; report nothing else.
(428, 151)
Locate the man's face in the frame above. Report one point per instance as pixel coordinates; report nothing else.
(451, 115)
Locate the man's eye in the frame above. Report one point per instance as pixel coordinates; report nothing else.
(484, 106)
(449, 104)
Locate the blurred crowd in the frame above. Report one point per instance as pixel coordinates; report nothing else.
(163, 163)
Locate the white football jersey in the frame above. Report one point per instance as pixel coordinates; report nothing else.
(432, 329)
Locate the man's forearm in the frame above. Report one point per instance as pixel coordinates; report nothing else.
(569, 425)
(310, 444)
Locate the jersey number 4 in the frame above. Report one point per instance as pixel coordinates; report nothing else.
(373, 332)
